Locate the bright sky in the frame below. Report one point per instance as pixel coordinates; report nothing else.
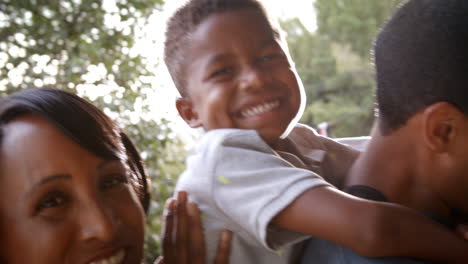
(164, 96)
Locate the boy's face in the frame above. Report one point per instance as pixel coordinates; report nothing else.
(239, 76)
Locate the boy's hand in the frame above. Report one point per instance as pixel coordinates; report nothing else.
(183, 247)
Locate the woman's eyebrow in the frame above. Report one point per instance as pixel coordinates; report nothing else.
(106, 163)
(48, 179)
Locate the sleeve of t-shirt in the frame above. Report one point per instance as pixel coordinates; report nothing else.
(252, 184)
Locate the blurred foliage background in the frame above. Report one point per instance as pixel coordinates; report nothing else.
(88, 47)
(335, 63)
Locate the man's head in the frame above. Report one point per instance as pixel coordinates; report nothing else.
(232, 68)
(421, 59)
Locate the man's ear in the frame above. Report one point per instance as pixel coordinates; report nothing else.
(185, 108)
(441, 125)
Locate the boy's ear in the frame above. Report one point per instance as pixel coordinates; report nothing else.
(441, 125)
(185, 108)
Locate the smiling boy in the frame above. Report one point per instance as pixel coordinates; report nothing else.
(250, 173)
(215, 95)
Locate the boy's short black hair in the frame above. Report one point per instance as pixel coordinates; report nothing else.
(185, 21)
(421, 58)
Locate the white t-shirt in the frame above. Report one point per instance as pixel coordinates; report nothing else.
(240, 183)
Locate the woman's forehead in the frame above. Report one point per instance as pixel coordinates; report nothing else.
(29, 134)
(32, 148)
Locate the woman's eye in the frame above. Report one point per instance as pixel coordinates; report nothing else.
(114, 181)
(52, 200)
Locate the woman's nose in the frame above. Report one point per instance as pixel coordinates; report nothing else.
(97, 222)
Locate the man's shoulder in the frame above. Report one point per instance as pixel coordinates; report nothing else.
(322, 251)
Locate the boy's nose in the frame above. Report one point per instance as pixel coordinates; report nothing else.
(252, 79)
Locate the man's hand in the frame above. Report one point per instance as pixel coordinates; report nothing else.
(462, 230)
(183, 247)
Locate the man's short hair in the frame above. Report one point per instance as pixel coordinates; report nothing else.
(185, 21)
(421, 58)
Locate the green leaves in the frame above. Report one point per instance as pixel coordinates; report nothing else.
(353, 22)
(335, 65)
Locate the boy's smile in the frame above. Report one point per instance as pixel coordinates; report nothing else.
(239, 76)
(259, 109)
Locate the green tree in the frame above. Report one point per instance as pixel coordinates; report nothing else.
(353, 22)
(337, 82)
(312, 55)
(334, 63)
(87, 46)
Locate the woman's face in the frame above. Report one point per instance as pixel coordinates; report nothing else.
(61, 204)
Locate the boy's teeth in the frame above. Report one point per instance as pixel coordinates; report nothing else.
(260, 109)
(115, 259)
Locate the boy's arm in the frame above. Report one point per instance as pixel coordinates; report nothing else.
(341, 153)
(372, 229)
(251, 185)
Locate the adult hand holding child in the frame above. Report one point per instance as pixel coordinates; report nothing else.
(183, 240)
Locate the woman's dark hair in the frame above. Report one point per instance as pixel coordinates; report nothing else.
(82, 122)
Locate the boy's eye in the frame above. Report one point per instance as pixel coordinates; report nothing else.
(221, 72)
(270, 57)
(267, 57)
